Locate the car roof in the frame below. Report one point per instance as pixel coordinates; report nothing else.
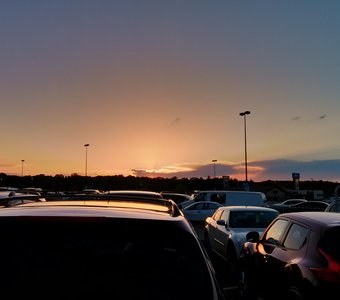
(204, 202)
(95, 208)
(245, 208)
(175, 194)
(135, 192)
(315, 216)
(295, 199)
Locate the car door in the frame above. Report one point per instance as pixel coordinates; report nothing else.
(221, 233)
(267, 262)
(212, 229)
(280, 250)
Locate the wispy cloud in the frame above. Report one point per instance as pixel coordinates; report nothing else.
(296, 118)
(280, 169)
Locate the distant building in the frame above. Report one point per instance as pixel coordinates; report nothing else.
(276, 195)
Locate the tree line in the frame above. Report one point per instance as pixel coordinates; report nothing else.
(77, 182)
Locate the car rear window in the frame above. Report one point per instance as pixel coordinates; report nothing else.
(251, 219)
(115, 259)
(330, 242)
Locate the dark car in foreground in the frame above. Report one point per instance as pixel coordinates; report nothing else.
(105, 247)
(297, 257)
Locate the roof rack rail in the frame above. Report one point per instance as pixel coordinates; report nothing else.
(171, 205)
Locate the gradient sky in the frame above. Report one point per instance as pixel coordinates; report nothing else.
(156, 87)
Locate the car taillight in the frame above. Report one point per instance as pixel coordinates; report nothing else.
(329, 273)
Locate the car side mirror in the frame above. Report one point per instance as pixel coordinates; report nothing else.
(221, 222)
(253, 236)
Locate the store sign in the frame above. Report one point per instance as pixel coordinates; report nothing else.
(296, 175)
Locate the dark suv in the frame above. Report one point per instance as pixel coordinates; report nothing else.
(103, 247)
(297, 257)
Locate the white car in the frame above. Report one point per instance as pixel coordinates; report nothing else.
(231, 198)
(199, 211)
(225, 231)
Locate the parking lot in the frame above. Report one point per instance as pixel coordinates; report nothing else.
(228, 284)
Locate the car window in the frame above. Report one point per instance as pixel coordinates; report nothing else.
(289, 202)
(330, 243)
(275, 232)
(201, 197)
(251, 219)
(197, 206)
(224, 215)
(335, 207)
(296, 237)
(218, 197)
(212, 206)
(217, 214)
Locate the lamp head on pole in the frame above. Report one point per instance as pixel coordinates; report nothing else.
(86, 145)
(247, 112)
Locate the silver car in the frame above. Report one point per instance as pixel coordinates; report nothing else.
(199, 211)
(225, 231)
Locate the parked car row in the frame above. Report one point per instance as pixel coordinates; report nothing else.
(276, 255)
(281, 206)
(295, 205)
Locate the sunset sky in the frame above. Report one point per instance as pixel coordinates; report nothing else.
(155, 87)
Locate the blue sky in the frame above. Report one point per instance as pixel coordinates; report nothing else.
(157, 87)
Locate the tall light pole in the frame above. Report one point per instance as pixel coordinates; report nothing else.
(22, 168)
(214, 161)
(244, 115)
(86, 146)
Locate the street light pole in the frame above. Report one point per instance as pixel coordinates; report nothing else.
(214, 161)
(86, 146)
(244, 115)
(22, 168)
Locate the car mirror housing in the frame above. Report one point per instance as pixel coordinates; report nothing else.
(253, 236)
(221, 222)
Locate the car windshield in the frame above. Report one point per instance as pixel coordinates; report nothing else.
(251, 219)
(119, 259)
